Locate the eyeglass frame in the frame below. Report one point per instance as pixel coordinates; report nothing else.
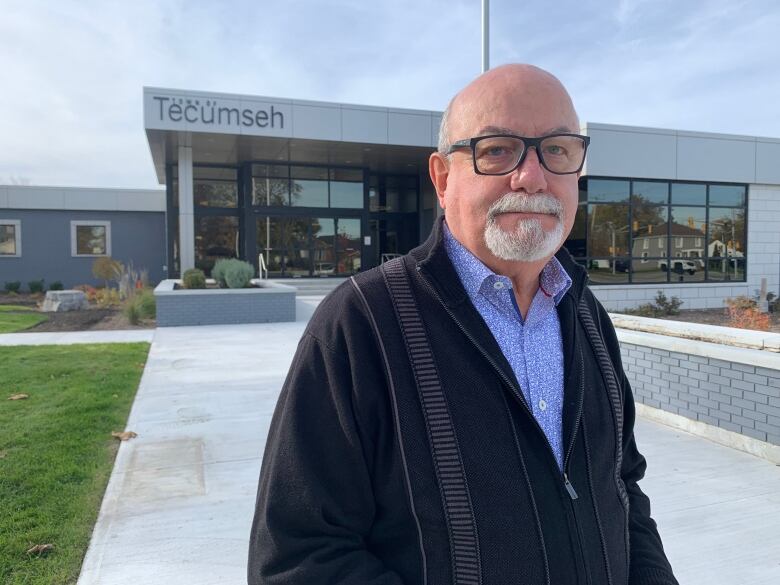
(528, 142)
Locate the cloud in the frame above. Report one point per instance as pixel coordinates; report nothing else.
(71, 109)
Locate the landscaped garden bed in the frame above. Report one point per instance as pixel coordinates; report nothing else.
(57, 451)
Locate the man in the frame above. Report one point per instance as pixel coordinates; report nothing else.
(524, 468)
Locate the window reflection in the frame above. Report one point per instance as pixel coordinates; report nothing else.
(731, 195)
(215, 187)
(215, 237)
(665, 231)
(726, 244)
(607, 230)
(607, 190)
(349, 246)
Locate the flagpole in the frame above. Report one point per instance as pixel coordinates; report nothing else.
(485, 35)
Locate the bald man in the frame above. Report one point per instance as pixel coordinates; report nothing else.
(460, 415)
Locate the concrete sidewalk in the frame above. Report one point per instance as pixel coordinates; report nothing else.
(179, 504)
(73, 337)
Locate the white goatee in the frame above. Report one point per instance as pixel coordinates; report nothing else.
(529, 241)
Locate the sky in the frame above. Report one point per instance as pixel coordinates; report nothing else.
(73, 70)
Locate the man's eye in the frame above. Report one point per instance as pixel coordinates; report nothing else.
(496, 151)
(555, 150)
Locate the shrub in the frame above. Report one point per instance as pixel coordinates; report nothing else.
(132, 312)
(107, 269)
(36, 286)
(194, 278)
(107, 297)
(238, 274)
(744, 314)
(141, 306)
(232, 273)
(56, 285)
(218, 272)
(661, 307)
(13, 287)
(88, 290)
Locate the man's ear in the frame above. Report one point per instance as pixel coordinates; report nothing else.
(439, 169)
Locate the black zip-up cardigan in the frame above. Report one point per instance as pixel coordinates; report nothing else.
(348, 492)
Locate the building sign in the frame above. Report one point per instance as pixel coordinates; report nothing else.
(206, 111)
(225, 114)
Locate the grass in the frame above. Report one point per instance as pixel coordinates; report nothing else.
(17, 318)
(56, 451)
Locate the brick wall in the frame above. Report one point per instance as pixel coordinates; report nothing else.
(738, 397)
(276, 303)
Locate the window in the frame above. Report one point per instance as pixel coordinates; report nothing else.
(90, 238)
(699, 230)
(10, 238)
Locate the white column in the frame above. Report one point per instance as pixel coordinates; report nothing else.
(485, 35)
(186, 211)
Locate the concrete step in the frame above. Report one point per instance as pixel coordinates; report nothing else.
(313, 286)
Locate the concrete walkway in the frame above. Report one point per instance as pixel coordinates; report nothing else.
(179, 504)
(73, 337)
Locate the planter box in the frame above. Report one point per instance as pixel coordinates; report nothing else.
(272, 303)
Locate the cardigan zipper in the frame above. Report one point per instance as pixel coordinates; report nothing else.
(518, 393)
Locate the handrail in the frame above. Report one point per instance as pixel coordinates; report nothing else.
(262, 268)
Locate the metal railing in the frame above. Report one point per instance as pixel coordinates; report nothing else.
(261, 267)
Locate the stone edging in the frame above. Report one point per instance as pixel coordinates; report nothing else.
(715, 434)
(729, 336)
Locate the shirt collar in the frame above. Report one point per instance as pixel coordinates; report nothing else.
(554, 281)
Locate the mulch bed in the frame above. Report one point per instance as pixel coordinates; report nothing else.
(92, 319)
(716, 317)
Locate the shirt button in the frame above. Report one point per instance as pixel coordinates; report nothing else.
(498, 285)
(542, 404)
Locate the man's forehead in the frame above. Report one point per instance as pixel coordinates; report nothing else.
(487, 130)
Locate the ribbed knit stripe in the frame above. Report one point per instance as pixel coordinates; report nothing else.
(615, 397)
(458, 512)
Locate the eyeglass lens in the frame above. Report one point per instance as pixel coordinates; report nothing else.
(499, 154)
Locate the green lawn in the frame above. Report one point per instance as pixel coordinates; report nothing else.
(17, 318)
(56, 450)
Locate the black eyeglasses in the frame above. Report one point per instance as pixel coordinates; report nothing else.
(500, 154)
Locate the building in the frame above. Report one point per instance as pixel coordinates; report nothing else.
(308, 188)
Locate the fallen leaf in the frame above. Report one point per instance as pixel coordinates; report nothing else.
(3, 454)
(18, 397)
(125, 436)
(40, 549)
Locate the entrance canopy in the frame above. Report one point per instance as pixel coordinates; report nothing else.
(229, 129)
(315, 188)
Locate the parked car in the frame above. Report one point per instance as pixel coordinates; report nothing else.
(679, 265)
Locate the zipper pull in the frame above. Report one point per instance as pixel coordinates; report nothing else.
(569, 488)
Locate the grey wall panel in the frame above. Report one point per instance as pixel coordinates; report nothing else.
(768, 162)
(364, 125)
(36, 198)
(715, 159)
(409, 129)
(135, 236)
(631, 154)
(3, 197)
(316, 122)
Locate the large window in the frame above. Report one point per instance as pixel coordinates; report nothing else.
(304, 246)
(644, 231)
(10, 238)
(306, 186)
(90, 238)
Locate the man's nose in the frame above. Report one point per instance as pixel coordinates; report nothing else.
(529, 176)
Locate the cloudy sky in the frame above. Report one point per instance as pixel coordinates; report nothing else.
(73, 70)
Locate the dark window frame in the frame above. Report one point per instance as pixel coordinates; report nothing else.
(586, 259)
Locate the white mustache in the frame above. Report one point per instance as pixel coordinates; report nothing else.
(519, 203)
